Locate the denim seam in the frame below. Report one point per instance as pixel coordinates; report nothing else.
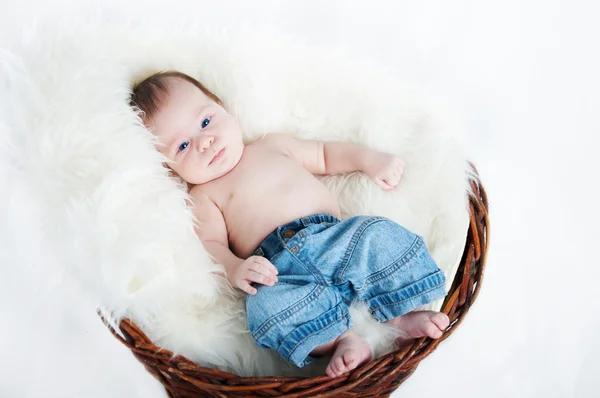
(330, 324)
(310, 267)
(394, 266)
(352, 245)
(288, 312)
(409, 298)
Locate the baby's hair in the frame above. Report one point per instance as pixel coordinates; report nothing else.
(146, 94)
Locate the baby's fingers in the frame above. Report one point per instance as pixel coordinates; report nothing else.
(246, 287)
(254, 276)
(264, 266)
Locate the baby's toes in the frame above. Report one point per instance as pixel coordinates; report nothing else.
(431, 330)
(440, 320)
(336, 366)
(350, 360)
(340, 366)
(329, 371)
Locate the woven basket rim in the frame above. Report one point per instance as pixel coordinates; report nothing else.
(182, 377)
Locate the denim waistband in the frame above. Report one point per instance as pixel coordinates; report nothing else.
(274, 242)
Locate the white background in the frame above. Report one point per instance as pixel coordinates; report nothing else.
(523, 75)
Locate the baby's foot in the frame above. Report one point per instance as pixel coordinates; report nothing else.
(350, 351)
(419, 324)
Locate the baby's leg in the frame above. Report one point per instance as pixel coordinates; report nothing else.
(419, 324)
(350, 351)
(392, 271)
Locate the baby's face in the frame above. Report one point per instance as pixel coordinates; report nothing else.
(197, 134)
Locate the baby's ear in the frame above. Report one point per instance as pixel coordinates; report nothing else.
(170, 169)
(172, 173)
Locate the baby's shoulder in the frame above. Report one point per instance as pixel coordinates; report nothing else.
(278, 142)
(271, 138)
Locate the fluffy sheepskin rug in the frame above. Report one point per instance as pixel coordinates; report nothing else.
(107, 214)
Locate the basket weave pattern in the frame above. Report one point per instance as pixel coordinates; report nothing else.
(378, 378)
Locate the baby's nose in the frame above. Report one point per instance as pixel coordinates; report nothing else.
(205, 142)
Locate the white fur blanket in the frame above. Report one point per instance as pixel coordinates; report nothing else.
(104, 211)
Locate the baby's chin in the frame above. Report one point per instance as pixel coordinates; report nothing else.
(205, 180)
(222, 170)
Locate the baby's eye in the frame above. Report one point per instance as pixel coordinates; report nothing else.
(205, 122)
(183, 145)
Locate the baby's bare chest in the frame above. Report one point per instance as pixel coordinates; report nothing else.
(263, 169)
(262, 177)
(267, 189)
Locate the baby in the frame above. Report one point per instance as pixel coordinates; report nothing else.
(277, 229)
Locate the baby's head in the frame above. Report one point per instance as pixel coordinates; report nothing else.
(196, 133)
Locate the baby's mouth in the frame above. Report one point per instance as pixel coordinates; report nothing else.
(217, 156)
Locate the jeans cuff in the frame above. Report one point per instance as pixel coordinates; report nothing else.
(394, 304)
(326, 327)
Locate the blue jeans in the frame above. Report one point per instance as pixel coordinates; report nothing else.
(324, 264)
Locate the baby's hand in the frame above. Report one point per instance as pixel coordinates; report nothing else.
(255, 269)
(385, 170)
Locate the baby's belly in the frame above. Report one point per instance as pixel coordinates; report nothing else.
(249, 224)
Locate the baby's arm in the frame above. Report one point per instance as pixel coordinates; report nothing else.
(212, 231)
(332, 158)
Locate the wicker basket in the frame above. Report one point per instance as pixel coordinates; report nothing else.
(377, 378)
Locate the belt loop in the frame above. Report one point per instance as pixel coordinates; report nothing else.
(305, 221)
